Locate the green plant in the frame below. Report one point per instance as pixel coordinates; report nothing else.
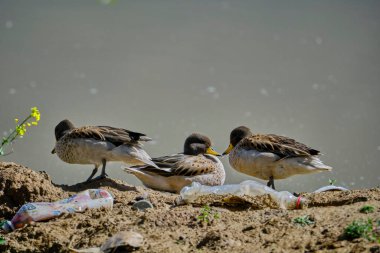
(332, 181)
(303, 220)
(2, 239)
(367, 209)
(362, 229)
(208, 214)
(20, 129)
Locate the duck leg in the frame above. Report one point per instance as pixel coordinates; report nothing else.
(93, 173)
(271, 182)
(104, 174)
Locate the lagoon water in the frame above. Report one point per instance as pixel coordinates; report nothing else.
(305, 69)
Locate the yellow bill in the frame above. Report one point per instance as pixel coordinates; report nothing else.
(228, 150)
(211, 151)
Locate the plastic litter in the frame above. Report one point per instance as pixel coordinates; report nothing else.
(284, 199)
(331, 188)
(128, 240)
(39, 211)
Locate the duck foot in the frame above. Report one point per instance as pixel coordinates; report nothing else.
(271, 182)
(102, 176)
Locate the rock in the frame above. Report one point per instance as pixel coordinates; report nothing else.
(125, 240)
(141, 205)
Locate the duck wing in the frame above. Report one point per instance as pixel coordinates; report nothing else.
(116, 136)
(282, 146)
(180, 165)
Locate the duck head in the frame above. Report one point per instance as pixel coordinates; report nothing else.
(236, 136)
(61, 129)
(197, 144)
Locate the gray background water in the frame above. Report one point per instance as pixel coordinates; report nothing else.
(305, 69)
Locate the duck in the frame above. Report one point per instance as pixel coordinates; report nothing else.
(197, 163)
(271, 156)
(98, 145)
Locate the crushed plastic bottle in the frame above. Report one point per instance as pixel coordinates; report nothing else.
(331, 188)
(284, 199)
(39, 211)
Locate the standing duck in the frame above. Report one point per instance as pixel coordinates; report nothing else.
(270, 156)
(98, 145)
(197, 163)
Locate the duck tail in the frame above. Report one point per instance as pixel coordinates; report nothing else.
(132, 170)
(145, 159)
(145, 138)
(318, 164)
(150, 162)
(138, 136)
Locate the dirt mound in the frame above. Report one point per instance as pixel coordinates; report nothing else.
(19, 185)
(247, 224)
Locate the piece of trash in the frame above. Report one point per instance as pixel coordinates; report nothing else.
(141, 205)
(125, 240)
(284, 199)
(39, 211)
(331, 188)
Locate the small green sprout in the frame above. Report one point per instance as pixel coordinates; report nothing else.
(303, 220)
(332, 181)
(367, 209)
(208, 215)
(2, 239)
(20, 129)
(362, 229)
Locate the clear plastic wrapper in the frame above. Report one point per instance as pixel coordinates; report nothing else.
(39, 211)
(284, 199)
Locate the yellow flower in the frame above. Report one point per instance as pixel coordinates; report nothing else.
(34, 123)
(21, 130)
(28, 124)
(16, 120)
(35, 113)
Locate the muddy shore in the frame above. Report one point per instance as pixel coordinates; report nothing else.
(248, 225)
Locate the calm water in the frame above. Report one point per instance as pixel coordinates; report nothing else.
(306, 69)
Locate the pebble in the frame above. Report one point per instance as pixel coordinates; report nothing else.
(141, 205)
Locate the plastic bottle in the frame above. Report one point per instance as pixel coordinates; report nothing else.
(39, 211)
(285, 199)
(330, 188)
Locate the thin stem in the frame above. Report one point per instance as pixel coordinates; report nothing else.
(12, 136)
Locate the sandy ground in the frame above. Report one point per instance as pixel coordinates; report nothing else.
(248, 224)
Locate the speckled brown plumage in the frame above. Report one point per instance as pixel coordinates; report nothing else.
(178, 170)
(280, 145)
(98, 145)
(116, 136)
(270, 156)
